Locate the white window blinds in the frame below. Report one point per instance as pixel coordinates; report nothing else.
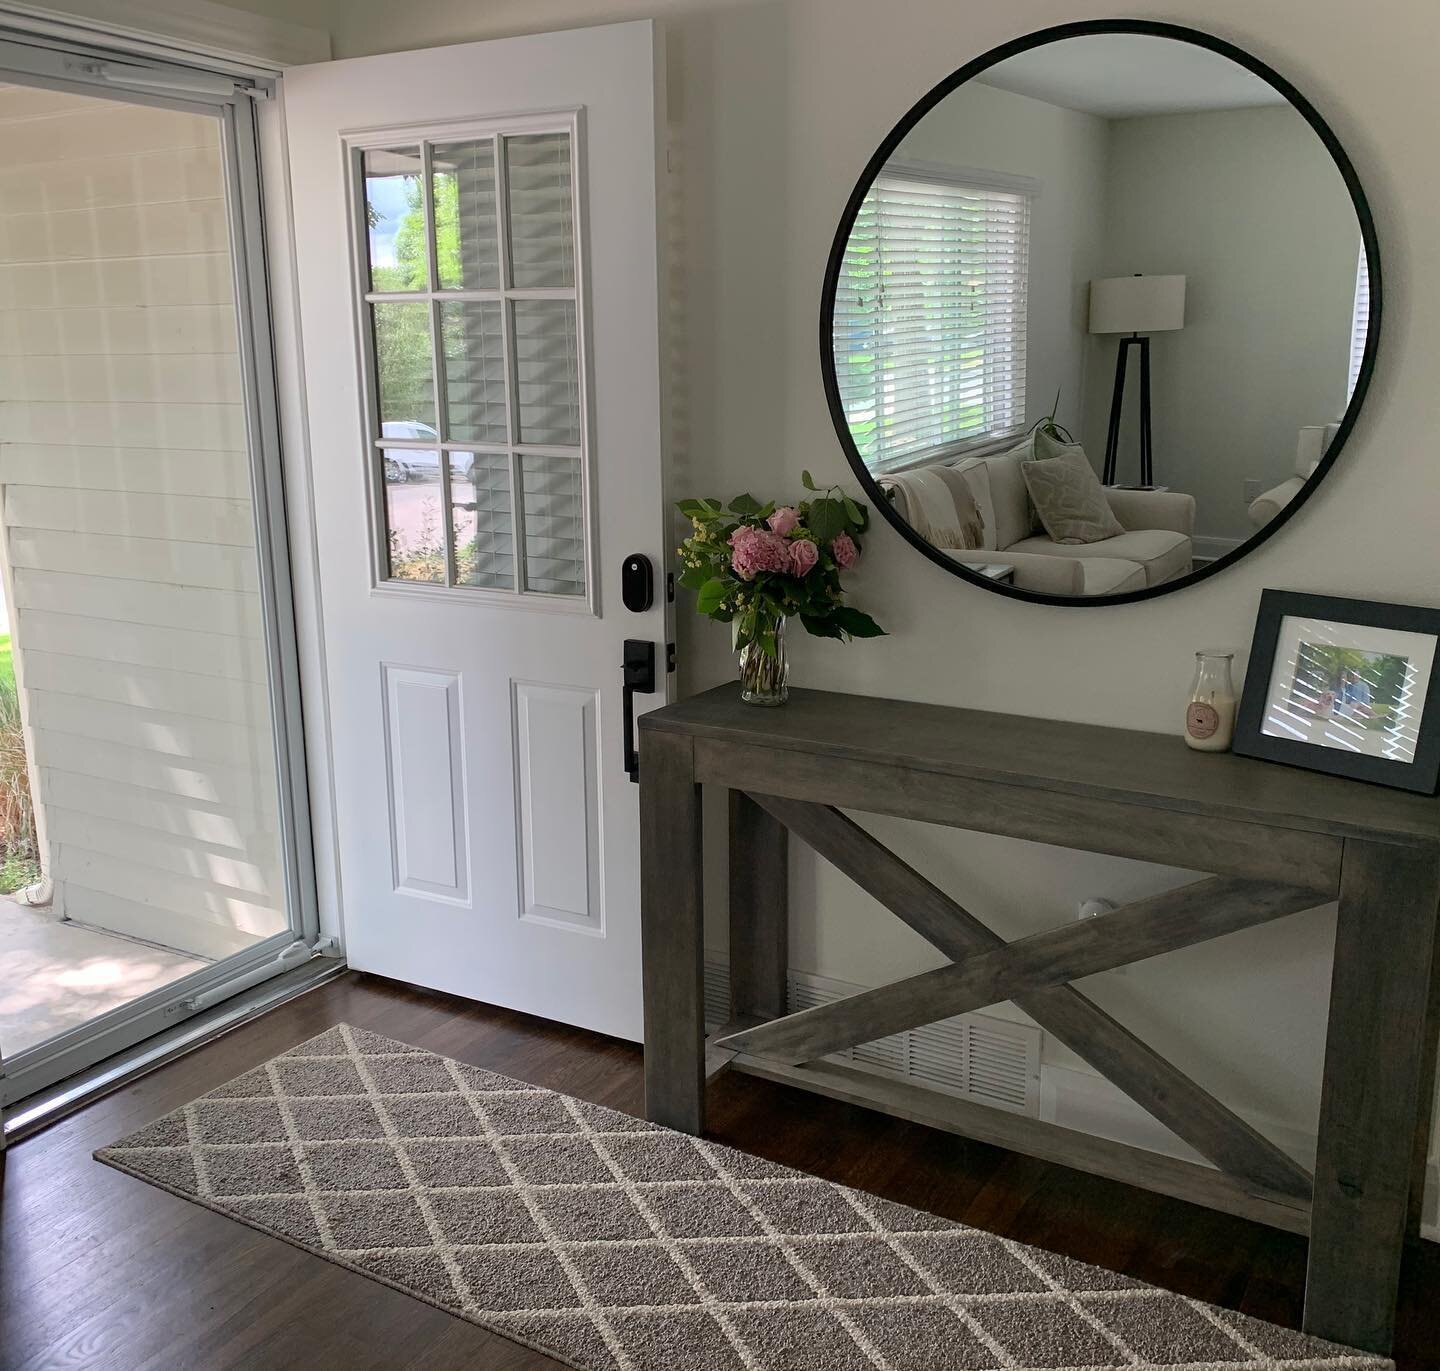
(930, 316)
(1359, 323)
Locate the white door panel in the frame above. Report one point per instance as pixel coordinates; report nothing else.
(488, 833)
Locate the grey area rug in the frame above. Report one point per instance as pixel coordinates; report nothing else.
(611, 1244)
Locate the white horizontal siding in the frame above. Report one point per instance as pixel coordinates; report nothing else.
(185, 896)
(136, 514)
(140, 602)
(189, 857)
(118, 329)
(111, 182)
(242, 703)
(187, 379)
(213, 565)
(177, 472)
(102, 129)
(93, 234)
(199, 936)
(138, 282)
(129, 527)
(125, 422)
(174, 778)
(189, 650)
(161, 732)
(232, 830)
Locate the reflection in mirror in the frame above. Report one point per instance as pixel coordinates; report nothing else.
(1099, 315)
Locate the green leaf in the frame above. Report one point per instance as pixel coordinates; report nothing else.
(712, 596)
(744, 504)
(807, 481)
(693, 577)
(855, 514)
(820, 628)
(826, 519)
(692, 509)
(857, 623)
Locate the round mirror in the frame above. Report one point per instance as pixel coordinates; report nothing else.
(1100, 312)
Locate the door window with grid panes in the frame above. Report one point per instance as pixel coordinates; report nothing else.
(472, 301)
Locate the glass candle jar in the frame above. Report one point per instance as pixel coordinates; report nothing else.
(1210, 715)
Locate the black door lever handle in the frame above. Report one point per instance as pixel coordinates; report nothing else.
(639, 676)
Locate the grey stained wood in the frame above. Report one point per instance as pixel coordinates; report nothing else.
(1121, 829)
(1099, 1156)
(1128, 794)
(1153, 1082)
(1125, 765)
(1190, 914)
(759, 909)
(671, 911)
(1376, 1092)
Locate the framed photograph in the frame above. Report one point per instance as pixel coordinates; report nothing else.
(1345, 686)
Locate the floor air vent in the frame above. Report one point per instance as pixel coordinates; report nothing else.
(975, 1056)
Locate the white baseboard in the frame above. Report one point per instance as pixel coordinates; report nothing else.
(1208, 549)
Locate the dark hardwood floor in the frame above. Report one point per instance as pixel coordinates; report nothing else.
(100, 1270)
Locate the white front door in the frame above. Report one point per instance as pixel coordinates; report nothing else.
(477, 266)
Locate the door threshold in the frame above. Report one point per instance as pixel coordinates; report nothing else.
(50, 1105)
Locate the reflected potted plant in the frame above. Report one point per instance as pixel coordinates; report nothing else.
(754, 566)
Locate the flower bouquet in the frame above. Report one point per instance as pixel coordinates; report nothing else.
(754, 566)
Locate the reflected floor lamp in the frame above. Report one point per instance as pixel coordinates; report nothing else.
(1137, 306)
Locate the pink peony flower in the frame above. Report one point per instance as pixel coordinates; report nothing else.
(803, 556)
(784, 521)
(754, 550)
(844, 551)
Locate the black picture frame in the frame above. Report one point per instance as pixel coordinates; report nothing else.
(1421, 774)
(835, 265)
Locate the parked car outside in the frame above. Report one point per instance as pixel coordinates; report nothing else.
(417, 464)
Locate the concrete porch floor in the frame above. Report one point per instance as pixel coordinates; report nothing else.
(55, 975)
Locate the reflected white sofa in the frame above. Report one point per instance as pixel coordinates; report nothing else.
(1311, 447)
(1156, 546)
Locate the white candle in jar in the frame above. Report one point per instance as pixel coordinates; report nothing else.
(1210, 715)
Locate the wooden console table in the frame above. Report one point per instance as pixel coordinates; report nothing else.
(1278, 841)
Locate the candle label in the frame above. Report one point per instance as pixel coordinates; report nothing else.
(1201, 720)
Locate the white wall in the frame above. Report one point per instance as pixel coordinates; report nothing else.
(778, 104)
(1249, 207)
(128, 524)
(986, 129)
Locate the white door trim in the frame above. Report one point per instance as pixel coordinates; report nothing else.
(196, 31)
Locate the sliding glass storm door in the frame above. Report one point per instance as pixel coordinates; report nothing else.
(156, 720)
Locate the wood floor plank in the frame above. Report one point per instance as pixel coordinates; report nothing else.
(98, 1269)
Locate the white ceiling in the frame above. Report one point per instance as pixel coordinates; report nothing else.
(1122, 75)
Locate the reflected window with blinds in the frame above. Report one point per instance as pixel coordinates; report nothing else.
(1359, 324)
(929, 320)
(471, 295)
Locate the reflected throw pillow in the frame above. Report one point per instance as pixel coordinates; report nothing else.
(1068, 496)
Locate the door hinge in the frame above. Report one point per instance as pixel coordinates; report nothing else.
(669, 658)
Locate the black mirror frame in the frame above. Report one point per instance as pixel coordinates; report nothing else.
(917, 112)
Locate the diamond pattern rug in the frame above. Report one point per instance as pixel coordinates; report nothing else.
(614, 1245)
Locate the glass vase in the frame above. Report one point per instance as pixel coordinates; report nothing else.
(1210, 715)
(764, 672)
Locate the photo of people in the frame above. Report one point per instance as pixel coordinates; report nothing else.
(1363, 689)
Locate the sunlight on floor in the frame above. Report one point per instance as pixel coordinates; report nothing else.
(57, 975)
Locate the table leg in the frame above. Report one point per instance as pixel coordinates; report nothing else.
(759, 910)
(1376, 1092)
(671, 920)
